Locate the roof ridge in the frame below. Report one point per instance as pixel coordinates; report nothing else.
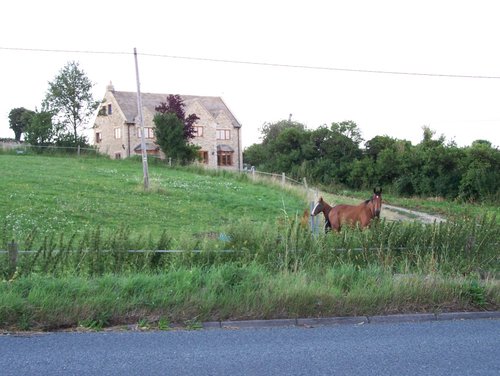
(167, 94)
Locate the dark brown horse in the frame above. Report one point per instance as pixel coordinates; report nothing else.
(351, 215)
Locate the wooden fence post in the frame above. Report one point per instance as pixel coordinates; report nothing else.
(12, 248)
(283, 179)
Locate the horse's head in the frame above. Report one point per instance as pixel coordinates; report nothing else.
(377, 201)
(318, 208)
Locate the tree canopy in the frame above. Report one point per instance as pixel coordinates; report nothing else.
(173, 130)
(40, 131)
(175, 105)
(70, 100)
(334, 156)
(19, 120)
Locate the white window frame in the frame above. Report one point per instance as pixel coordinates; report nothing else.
(223, 134)
(149, 132)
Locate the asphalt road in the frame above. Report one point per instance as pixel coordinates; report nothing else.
(470, 347)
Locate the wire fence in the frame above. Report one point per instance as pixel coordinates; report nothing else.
(14, 252)
(24, 148)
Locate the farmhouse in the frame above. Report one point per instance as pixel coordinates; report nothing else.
(117, 129)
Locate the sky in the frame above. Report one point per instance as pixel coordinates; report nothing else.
(317, 61)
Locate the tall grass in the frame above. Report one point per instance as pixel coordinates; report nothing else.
(230, 291)
(462, 247)
(274, 271)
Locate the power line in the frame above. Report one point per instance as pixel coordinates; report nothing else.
(276, 65)
(65, 51)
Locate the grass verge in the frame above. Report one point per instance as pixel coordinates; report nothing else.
(231, 292)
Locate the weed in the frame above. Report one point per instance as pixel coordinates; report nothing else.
(143, 324)
(163, 324)
(475, 293)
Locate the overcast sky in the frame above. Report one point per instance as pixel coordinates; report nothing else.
(435, 37)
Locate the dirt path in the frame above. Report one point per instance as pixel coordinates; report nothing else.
(395, 213)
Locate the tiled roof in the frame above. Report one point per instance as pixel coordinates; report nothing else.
(128, 104)
(224, 148)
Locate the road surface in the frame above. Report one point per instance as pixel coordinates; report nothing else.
(470, 347)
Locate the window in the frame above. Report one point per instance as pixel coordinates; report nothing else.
(118, 155)
(203, 156)
(224, 158)
(148, 132)
(198, 131)
(118, 133)
(223, 134)
(110, 109)
(98, 137)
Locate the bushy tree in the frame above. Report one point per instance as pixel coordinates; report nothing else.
(286, 149)
(40, 131)
(481, 177)
(19, 119)
(70, 99)
(271, 131)
(256, 155)
(175, 105)
(332, 156)
(173, 130)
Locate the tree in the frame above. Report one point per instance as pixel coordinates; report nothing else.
(270, 131)
(173, 130)
(19, 119)
(378, 144)
(70, 99)
(256, 155)
(40, 131)
(175, 105)
(286, 151)
(481, 178)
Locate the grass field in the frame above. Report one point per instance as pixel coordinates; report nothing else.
(56, 194)
(81, 216)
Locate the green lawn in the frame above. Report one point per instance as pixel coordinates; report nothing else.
(66, 194)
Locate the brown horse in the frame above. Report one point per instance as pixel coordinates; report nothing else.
(339, 215)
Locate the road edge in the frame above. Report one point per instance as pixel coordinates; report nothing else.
(350, 320)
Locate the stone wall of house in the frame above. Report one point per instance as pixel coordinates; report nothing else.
(207, 140)
(110, 131)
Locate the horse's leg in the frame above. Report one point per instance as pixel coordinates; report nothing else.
(364, 221)
(328, 225)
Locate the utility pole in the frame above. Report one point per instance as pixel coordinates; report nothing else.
(141, 119)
